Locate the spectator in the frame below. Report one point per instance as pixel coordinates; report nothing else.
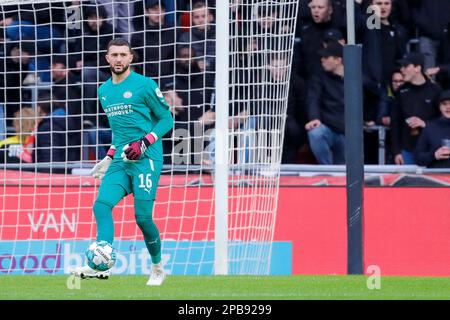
(42, 22)
(66, 91)
(176, 107)
(90, 57)
(431, 18)
(312, 36)
(119, 12)
(442, 69)
(433, 147)
(202, 35)
(19, 147)
(325, 103)
(17, 66)
(415, 105)
(154, 47)
(195, 88)
(295, 134)
(333, 35)
(384, 115)
(51, 133)
(139, 19)
(383, 47)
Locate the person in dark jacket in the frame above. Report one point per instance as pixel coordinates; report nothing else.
(433, 147)
(294, 134)
(442, 69)
(195, 88)
(90, 51)
(154, 46)
(384, 46)
(67, 92)
(312, 36)
(431, 18)
(325, 104)
(17, 67)
(415, 105)
(51, 134)
(202, 35)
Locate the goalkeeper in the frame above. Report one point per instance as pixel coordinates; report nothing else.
(138, 116)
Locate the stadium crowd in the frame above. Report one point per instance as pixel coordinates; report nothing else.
(406, 72)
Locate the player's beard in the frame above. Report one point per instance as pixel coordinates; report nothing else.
(125, 68)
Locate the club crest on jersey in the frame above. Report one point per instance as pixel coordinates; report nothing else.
(158, 93)
(127, 94)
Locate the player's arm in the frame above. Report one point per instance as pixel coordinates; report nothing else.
(160, 109)
(101, 167)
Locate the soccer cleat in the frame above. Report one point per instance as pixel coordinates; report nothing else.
(87, 272)
(157, 276)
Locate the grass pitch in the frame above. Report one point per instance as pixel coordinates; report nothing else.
(225, 288)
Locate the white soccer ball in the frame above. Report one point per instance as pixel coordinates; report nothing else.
(101, 256)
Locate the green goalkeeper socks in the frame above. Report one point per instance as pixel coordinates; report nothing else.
(105, 223)
(144, 219)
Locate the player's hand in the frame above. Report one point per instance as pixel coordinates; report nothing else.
(134, 150)
(100, 168)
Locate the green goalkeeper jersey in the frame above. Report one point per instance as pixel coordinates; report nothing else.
(135, 107)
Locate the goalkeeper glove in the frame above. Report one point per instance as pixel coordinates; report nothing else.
(134, 150)
(100, 168)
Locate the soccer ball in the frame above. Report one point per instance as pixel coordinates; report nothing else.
(101, 256)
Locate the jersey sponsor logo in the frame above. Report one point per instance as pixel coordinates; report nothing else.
(127, 94)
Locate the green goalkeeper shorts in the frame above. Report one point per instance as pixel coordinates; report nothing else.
(139, 177)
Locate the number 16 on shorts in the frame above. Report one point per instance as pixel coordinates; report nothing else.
(145, 182)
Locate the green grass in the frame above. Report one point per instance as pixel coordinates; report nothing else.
(225, 288)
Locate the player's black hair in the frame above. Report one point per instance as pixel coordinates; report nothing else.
(119, 42)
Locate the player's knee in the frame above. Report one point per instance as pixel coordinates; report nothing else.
(144, 221)
(101, 208)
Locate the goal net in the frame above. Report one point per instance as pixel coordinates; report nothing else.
(53, 130)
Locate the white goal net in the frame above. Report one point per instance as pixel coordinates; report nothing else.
(52, 130)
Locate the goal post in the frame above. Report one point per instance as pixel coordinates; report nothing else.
(221, 165)
(224, 69)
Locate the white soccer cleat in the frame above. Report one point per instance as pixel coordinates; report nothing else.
(86, 272)
(157, 276)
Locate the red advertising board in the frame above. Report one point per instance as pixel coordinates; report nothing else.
(406, 230)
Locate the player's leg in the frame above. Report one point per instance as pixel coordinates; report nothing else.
(115, 185)
(108, 197)
(144, 219)
(145, 176)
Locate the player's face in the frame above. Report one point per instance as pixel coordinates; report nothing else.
(119, 59)
(445, 108)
